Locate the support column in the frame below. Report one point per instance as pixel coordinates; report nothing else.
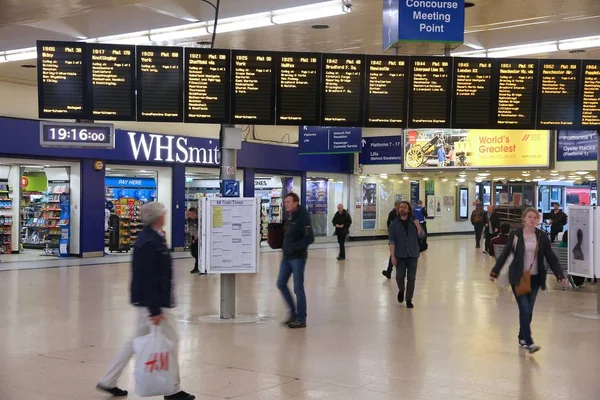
(230, 140)
(91, 210)
(249, 175)
(178, 211)
(596, 245)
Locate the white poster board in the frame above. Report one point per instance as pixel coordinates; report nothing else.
(596, 223)
(581, 241)
(230, 235)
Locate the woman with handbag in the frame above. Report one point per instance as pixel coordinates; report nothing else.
(526, 270)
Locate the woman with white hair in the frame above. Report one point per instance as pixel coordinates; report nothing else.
(151, 295)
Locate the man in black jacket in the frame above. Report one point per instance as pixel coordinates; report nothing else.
(192, 225)
(298, 236)
(342, 222)
(558, 219)
(491, 223)
(392, 216)
(152, 296)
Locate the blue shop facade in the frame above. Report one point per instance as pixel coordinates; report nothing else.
(175, 170)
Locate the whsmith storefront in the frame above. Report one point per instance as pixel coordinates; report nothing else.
(174, 170)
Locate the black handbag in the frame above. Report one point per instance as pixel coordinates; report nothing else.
(275, 234)
(423, 245)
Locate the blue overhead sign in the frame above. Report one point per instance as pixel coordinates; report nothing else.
(441, 21)
(329, 140)
(381, 150)
(577, 146)
(133, 183)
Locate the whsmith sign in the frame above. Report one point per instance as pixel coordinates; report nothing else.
(168, 148)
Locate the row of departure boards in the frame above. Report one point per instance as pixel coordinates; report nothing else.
(173, 84)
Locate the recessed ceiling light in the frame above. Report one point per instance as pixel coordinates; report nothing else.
(582, 172)
(483, 174)
(426, 178)
(320, 26)
(590, 177)
(444, 179)
(405, 178)
(526, 174)
(554, 174)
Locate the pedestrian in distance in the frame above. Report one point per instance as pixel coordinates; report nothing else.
(404, 251)
(558, 220)
(392, 216)
(342, 221)
(491, 224)
(501, 239)
(478, 223)
(192, 226)
(152, 295)
(527, 271)
(298, 236)
(421, 215)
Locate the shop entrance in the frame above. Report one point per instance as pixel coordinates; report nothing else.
(39, 204)
(271, 189)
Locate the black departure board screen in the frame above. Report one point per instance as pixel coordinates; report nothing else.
(253, 92)
(342, 90)
(430, 94)
(387, 91)
(590, 94)
(298, 89)
(207, 73)
(160, 83)
(473, 93)
(111, 80)
(558, 93)
(61, 79)
(517, 88)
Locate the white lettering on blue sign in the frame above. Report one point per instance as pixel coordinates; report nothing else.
(156, 147)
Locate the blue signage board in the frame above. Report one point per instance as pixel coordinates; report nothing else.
(230, 188)
(415, 191)
(577, 146)
(441, 21)
(137, 183)
(380, 150)
(329, 140)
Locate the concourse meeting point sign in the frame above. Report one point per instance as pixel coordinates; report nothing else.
(441, 21)
(475, 148)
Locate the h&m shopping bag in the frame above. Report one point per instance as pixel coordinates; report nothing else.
(154, 364)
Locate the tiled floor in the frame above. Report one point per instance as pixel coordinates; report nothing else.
(60, 327)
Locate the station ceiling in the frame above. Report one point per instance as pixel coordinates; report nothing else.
(489, 24)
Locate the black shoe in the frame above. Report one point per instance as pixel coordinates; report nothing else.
(287, 322)
(201, 273)
(400, 297)
(341, 258)
(478, 246)
(180, 396)
(386, 274)
(115, 392)
(297, 324)
(409, 304)
(194, 271)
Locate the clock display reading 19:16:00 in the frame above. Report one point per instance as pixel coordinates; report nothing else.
(76, 134)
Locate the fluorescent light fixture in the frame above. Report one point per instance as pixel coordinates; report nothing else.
(426, 179)
(133, 38)
(251, 21)
(523, 50)
(166, 36)
(405, 178)
(483, 174)
(582, 172)
(590, 177)
(444, 180)
(25, 55)
(554, 174)
(579, 43)
(461, 180)
(475, 53)
(310, 12)
(362, 177)
(526, 174)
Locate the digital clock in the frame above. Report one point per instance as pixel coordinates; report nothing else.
(77, 135)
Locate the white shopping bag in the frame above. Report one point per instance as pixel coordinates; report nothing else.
(154, 364)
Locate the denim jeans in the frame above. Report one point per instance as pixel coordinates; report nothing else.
(407, 269)
(293, 267)
(526, 303)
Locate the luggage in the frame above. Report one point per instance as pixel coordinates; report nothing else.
(275, 234)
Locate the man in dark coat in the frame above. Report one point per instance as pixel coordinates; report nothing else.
(342, 222)
(491, 224)
(392, 216)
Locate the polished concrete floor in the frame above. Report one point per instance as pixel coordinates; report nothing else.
(60, 327)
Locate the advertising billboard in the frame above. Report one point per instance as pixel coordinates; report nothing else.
(475, 148)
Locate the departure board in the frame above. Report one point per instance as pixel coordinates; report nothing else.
(111, 79)
(298, 89)
(387, 91)
(342, 90)
(253, 92)
(590, 94)
(558, 93)
(472, 103)
(207, 86)
(430, 94)
(159, 83)
(517, 89)
(61, 79)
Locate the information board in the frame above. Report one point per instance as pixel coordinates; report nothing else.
(298, 89)
(517, 88)
(581, 241)
(61, 79)
(207, 75)
(380, 150)
(111, 78)
(590, 93)
(253, 92)
(343, 90)
(473, 93)
(160, 83)
(430, 92)
(230, 235)
(558, 96)
(387, 91)
(329, 140)
(577, 145)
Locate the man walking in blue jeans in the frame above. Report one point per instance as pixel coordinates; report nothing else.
(298, 236)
